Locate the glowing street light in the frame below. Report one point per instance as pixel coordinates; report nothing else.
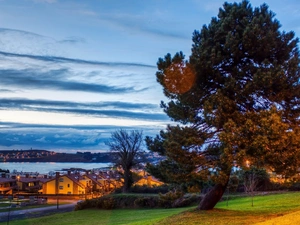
(18, 178)
(247, 163)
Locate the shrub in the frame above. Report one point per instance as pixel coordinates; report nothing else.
(169, 200)
(146, 202)
(166, 200)
(186, 201)
(108, 203)
(294, 187)
(101, 203)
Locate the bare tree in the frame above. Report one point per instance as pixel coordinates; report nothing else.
(127, 146)
(250, 184)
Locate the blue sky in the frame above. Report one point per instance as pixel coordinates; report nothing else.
(72, 72)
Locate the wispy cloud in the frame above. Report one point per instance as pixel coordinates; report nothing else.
(21, 102)
(5, 90)
(70, 60)
(127, 110)
(55, 137)
(38, 80)
(73, 40)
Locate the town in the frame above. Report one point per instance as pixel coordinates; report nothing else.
(35, 155)
(71, 184)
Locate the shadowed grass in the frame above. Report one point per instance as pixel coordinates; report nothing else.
(103, 217)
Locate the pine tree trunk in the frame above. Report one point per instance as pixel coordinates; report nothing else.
(212, 197)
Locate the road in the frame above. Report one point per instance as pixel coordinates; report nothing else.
(35, 212)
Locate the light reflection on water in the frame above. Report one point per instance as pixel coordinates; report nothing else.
(46, 167)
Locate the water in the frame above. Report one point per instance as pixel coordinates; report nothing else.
(46, 167)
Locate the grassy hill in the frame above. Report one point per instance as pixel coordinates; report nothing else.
(267, 209)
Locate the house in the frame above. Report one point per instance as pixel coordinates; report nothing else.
(146, 179)
(103, 182)
(65, 184)
(28, 184)
(7, 185)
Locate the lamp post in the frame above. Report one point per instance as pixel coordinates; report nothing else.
(18, 178)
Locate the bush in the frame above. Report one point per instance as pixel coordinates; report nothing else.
(186, 201)
(146, 189)
(146, 202)
(108, 203)
(169, 200)
(101, 203)
(294, 187)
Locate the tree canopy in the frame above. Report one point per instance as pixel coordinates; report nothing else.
(235, 99)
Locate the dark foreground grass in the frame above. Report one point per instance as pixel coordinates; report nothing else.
(103, 217)
(238, 211)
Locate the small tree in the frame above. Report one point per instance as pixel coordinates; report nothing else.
(254, 179)
(250, 184)
(127, 147)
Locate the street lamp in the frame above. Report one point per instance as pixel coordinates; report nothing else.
(18, 178)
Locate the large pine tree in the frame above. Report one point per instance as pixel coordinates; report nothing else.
(235, 99)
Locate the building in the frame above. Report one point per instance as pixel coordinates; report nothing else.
(7, 184)
(146, 179)
(68, 184)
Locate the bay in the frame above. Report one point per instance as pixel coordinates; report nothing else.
(46, 167)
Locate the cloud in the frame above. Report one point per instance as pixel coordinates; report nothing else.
(70, 60)
(22, 102)
(5, 90)
(28, 78)
(73, 40)
(117, 109)
(62, 137)
(25, 42)
(42, 139)
(16, 31)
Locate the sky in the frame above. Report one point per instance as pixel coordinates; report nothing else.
(74, 71)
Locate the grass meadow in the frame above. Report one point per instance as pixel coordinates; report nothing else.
(268, 209)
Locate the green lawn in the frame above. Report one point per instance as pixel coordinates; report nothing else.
(238, 211)
(102, 217)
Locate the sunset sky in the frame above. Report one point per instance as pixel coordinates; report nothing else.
(73, 71)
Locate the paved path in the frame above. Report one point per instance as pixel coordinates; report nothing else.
(35, 212)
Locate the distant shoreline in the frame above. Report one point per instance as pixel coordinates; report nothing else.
(51, 156)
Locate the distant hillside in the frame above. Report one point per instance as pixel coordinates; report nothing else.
(36, 155)
(50, 156)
